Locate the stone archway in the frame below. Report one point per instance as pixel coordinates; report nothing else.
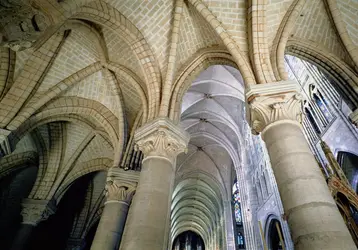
(274, 234)
(349, 163)
(188, 240)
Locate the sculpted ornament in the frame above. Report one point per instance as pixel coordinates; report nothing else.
(116, 191)
(21, 24)
(161, 144)
(161, 138)
(267, 108)
(35, 211)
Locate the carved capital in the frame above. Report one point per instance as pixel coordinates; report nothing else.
(118, 191)
(35, 211)
(272, 102)
(21, 23)
(161, 138)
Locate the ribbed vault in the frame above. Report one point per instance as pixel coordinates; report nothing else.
(212, 112)
(74, 90)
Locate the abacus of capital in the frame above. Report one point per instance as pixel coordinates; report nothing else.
(275, 111)
(147, 226)
(33, 212)
(120, 188)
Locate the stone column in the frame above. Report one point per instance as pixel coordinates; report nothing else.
(229, 225)
(275, 110)
(147, 226)
(120, 188)
(33, 212)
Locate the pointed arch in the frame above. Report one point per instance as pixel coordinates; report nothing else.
(329, 63)
(194, 66)
(239, 58)
(104, 14)
(89, 112)
(341, 28)
(17, 161)
(53, 92)
(99, 164)
(282, 35)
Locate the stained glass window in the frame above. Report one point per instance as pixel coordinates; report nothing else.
(237, 203)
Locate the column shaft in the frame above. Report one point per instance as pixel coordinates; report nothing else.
(148, 219)
(33, 212)
(22, 237)
(111, 225)
(120, 188)
(312, 214)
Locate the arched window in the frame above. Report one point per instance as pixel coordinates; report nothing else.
(275, 239)
(312, 121)
(188, 240)
(321, 103)
(237, 204)
(349, 165)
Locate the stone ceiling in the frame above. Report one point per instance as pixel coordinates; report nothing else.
(213, 114)
(96, 67)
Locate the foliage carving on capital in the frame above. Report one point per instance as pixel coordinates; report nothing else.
(117, 191)
(21, 23)
(35, 211)
(163, 139)
(160, 143)
(267, 109)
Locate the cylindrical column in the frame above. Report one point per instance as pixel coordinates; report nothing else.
(110, 228)
(312, 213)
(313, 217)
(229, 226)
(148, 221)
(22, 236)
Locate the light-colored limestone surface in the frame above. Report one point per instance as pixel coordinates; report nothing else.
(309, 207)
(79, 77)
(120, 189)
(148, 221)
